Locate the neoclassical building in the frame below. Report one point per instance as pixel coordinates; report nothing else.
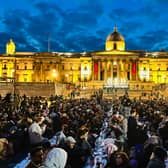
(115, 67)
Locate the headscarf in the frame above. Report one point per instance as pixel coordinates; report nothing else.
(56, 158)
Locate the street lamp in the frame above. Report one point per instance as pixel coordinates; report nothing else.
(54, 75)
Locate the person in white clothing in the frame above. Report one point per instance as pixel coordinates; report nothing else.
(36, 131)
(56, 158)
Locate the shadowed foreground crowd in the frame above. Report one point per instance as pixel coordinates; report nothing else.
(139, 130)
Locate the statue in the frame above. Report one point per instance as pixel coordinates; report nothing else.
(10, 47)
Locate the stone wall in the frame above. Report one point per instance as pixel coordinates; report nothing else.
(32, 88)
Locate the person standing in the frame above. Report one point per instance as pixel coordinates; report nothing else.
(36, 131)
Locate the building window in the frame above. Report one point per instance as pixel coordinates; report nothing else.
(62, 67)
(5, 67)
(114, 74)
(17, 67)
(115, 46)
(102, 75)
(25, 78)
(25, 67)
(128, 75)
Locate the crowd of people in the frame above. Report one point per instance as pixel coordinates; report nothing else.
(139, 129)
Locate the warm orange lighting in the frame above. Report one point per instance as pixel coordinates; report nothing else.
(66, 75)
(144, 74)
(10, 47)
(54, 73)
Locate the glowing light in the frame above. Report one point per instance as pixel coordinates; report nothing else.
(85, 70)
(114, 63)
(54, 73)
(116, 83)
(12, 72)
(144, 74)
(66, 75)
(10, 47)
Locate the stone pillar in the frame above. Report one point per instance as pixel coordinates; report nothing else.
(137, 73)
(118, 70)
(93, 75)
(111, 69)
(41, 72)
(124, 69)
(131, 69)
(99, 70)
(105, 71)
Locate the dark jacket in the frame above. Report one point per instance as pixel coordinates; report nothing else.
(156, 163)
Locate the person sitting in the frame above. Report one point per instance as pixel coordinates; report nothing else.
(157, 158)
(56, 158)
(37, 156)
(73, 152)
(3, 148)
(83, 144)
(120, 160)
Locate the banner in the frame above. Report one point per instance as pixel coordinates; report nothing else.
(133, 68)
(96, 68)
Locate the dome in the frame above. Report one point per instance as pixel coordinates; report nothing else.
(115, 41)
(115, 36)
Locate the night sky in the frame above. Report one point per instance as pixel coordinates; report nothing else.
(83, 25)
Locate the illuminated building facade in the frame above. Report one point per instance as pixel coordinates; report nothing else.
(113, 67)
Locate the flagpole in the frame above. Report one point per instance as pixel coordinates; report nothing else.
(48, 43)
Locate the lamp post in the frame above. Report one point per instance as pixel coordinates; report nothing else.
(54, 75)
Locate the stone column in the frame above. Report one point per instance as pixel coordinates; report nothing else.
(137, 70)
(131, 69)
(105, 70)
(118, 70)
(41, 71)
(99, 70)
(93, 75)
(124, 69)
(111, 69)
